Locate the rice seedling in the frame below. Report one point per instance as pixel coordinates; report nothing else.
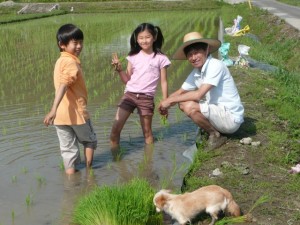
(61, 165)
(164, 121)
(109, 165)
(118, 153)
(123, 204)
(41, 180)
(24, 170)
(29, 200)
(184, 137)
(91, 172)
(130, 139)
(137, 123)
(14, 179)
(13, 216)
(169, 176)
(4, 131)
(178, 115)
(160, 136)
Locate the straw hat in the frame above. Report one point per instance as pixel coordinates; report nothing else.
(194, 37)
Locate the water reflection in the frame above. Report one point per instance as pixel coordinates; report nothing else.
(144, 168)
(75, 185)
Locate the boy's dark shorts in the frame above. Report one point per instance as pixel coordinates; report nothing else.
(144, 103)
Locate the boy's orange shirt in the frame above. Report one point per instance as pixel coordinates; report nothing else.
(72, 109)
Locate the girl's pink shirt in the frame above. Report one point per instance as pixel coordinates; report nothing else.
(145, 72)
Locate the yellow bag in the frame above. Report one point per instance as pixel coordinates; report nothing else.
(243, 31)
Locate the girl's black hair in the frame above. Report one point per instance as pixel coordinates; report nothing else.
(154, 31)
(195, 46)
(68, 32)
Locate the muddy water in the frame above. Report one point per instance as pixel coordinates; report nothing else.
(35, 191)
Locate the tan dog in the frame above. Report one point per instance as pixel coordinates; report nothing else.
(184, 207)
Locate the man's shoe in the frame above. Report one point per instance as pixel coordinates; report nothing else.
(215, 142)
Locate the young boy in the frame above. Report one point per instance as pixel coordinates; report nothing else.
(69, 110)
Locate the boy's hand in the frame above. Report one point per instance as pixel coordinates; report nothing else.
(116, 62)
(49, 119)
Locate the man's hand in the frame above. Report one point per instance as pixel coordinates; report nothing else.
(163, 112)
(163, 107)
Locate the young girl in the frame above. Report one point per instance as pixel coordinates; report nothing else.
(146, 65)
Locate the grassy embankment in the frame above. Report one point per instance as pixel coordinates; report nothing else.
(272, 105)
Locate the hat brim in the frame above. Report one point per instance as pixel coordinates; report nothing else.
(214, 45)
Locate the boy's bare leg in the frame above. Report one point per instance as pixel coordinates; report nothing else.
(70, 171)
(89, 155)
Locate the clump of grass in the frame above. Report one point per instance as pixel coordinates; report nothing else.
(127, 204)
(247, 217)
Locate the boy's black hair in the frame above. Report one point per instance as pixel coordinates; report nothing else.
(195, 46)
(154, 31)
(68, 32)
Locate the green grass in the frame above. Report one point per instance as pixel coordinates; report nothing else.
(124, 204)
(284, 56)
(290, 2)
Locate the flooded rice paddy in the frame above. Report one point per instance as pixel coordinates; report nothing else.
(33, 187)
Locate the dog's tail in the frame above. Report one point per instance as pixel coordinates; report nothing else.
(233, 209)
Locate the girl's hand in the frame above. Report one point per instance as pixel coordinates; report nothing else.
(116, 62)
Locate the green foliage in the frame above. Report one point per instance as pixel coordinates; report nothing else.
(264, 48)
(126, 204)
(14, 18)
(291, 2)
(247, 217)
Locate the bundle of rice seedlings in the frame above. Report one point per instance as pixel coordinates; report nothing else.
(127, 204)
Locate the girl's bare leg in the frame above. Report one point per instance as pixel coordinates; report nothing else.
(146, 123)
(120, 120)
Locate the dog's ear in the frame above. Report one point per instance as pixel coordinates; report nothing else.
(160, 200)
